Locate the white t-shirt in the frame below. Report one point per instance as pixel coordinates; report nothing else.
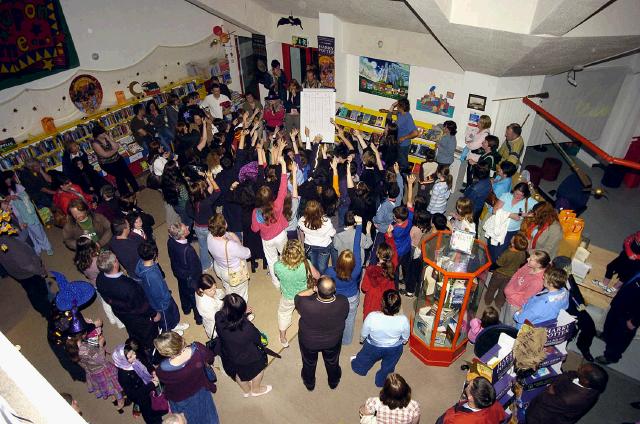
(322, 236)
(213, 105)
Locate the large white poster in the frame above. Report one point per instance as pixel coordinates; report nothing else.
(317, 108)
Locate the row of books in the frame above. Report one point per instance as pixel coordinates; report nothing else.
(361, 117)
(117, 116)
(117, 122)
(185, 89)
(17, 157)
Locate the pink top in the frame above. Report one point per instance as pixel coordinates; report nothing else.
(522, 286)
(416, 235)
(270, 231)
(475, 327)
(274, 119)
(474, 139)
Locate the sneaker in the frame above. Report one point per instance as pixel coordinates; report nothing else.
(178, 332)
(351, 358)
(409, 294)
(180, 327)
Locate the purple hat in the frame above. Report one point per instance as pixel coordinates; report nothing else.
(78, 324)
(248, 172)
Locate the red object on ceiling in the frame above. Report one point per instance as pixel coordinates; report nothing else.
(552, 119)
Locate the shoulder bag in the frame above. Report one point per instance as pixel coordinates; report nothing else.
(311, 282)
(159, 401)
(236, 277)
(209, 373)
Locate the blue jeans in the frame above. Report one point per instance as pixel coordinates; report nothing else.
(319, 256)
(403, 156)
(202, 233)
(170, 317)
(350, 322)
(370, 354)
(165, 136)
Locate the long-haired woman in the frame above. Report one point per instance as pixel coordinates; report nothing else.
(269, 221)
(175, 192)
(379, 278)
(346, 273)
(204, 194)
(85, 260)
(242, 358)
(318, 232)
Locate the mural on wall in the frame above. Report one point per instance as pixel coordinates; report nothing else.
(383, 78)
(436, 103)
(85, 92)
(326, 61)
(35, 41)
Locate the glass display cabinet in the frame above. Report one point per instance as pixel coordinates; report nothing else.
(446, 300)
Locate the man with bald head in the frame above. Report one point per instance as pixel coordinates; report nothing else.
(322, 316)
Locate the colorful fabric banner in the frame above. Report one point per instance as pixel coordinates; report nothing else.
(326, 61)
(35, 41)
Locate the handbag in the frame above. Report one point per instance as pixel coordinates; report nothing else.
(236, 277)
(368, 419)
(209, 373)
(159, 401)
(311, 282)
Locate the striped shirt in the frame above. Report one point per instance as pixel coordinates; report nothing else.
(439, 195)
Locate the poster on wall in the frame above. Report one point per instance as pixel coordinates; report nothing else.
(383, 78)
(326, 61)
(35, 41)
(317, 109)
(85, 92)
(437, 103)
(259, 44)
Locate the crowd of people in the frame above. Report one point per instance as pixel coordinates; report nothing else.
(335, 224)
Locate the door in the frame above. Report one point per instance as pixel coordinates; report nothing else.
(296, 60)
(247, 63)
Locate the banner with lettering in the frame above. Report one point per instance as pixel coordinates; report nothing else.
(326, 61)
(35, 41)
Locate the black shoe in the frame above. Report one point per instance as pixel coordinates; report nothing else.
(309, 387)
(254, 267)
(587, 355)
(198, 320)
(265, 265)
(604, 361)
(332, 386)
(635, 405)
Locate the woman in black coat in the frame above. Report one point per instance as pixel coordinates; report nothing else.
(243, 357)
(136, 380)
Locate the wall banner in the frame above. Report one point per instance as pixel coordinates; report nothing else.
(326, 61)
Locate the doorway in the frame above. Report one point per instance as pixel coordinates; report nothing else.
(247, 63)
(296, 59)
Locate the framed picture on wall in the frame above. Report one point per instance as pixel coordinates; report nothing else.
(476, 102)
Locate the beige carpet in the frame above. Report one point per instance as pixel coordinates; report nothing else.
(433, 387)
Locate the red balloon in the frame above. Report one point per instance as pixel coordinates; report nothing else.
(217, 30)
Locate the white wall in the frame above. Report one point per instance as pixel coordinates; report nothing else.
(127, 42)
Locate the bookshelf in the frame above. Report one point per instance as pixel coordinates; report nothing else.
(48, 148)
(371, 122)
